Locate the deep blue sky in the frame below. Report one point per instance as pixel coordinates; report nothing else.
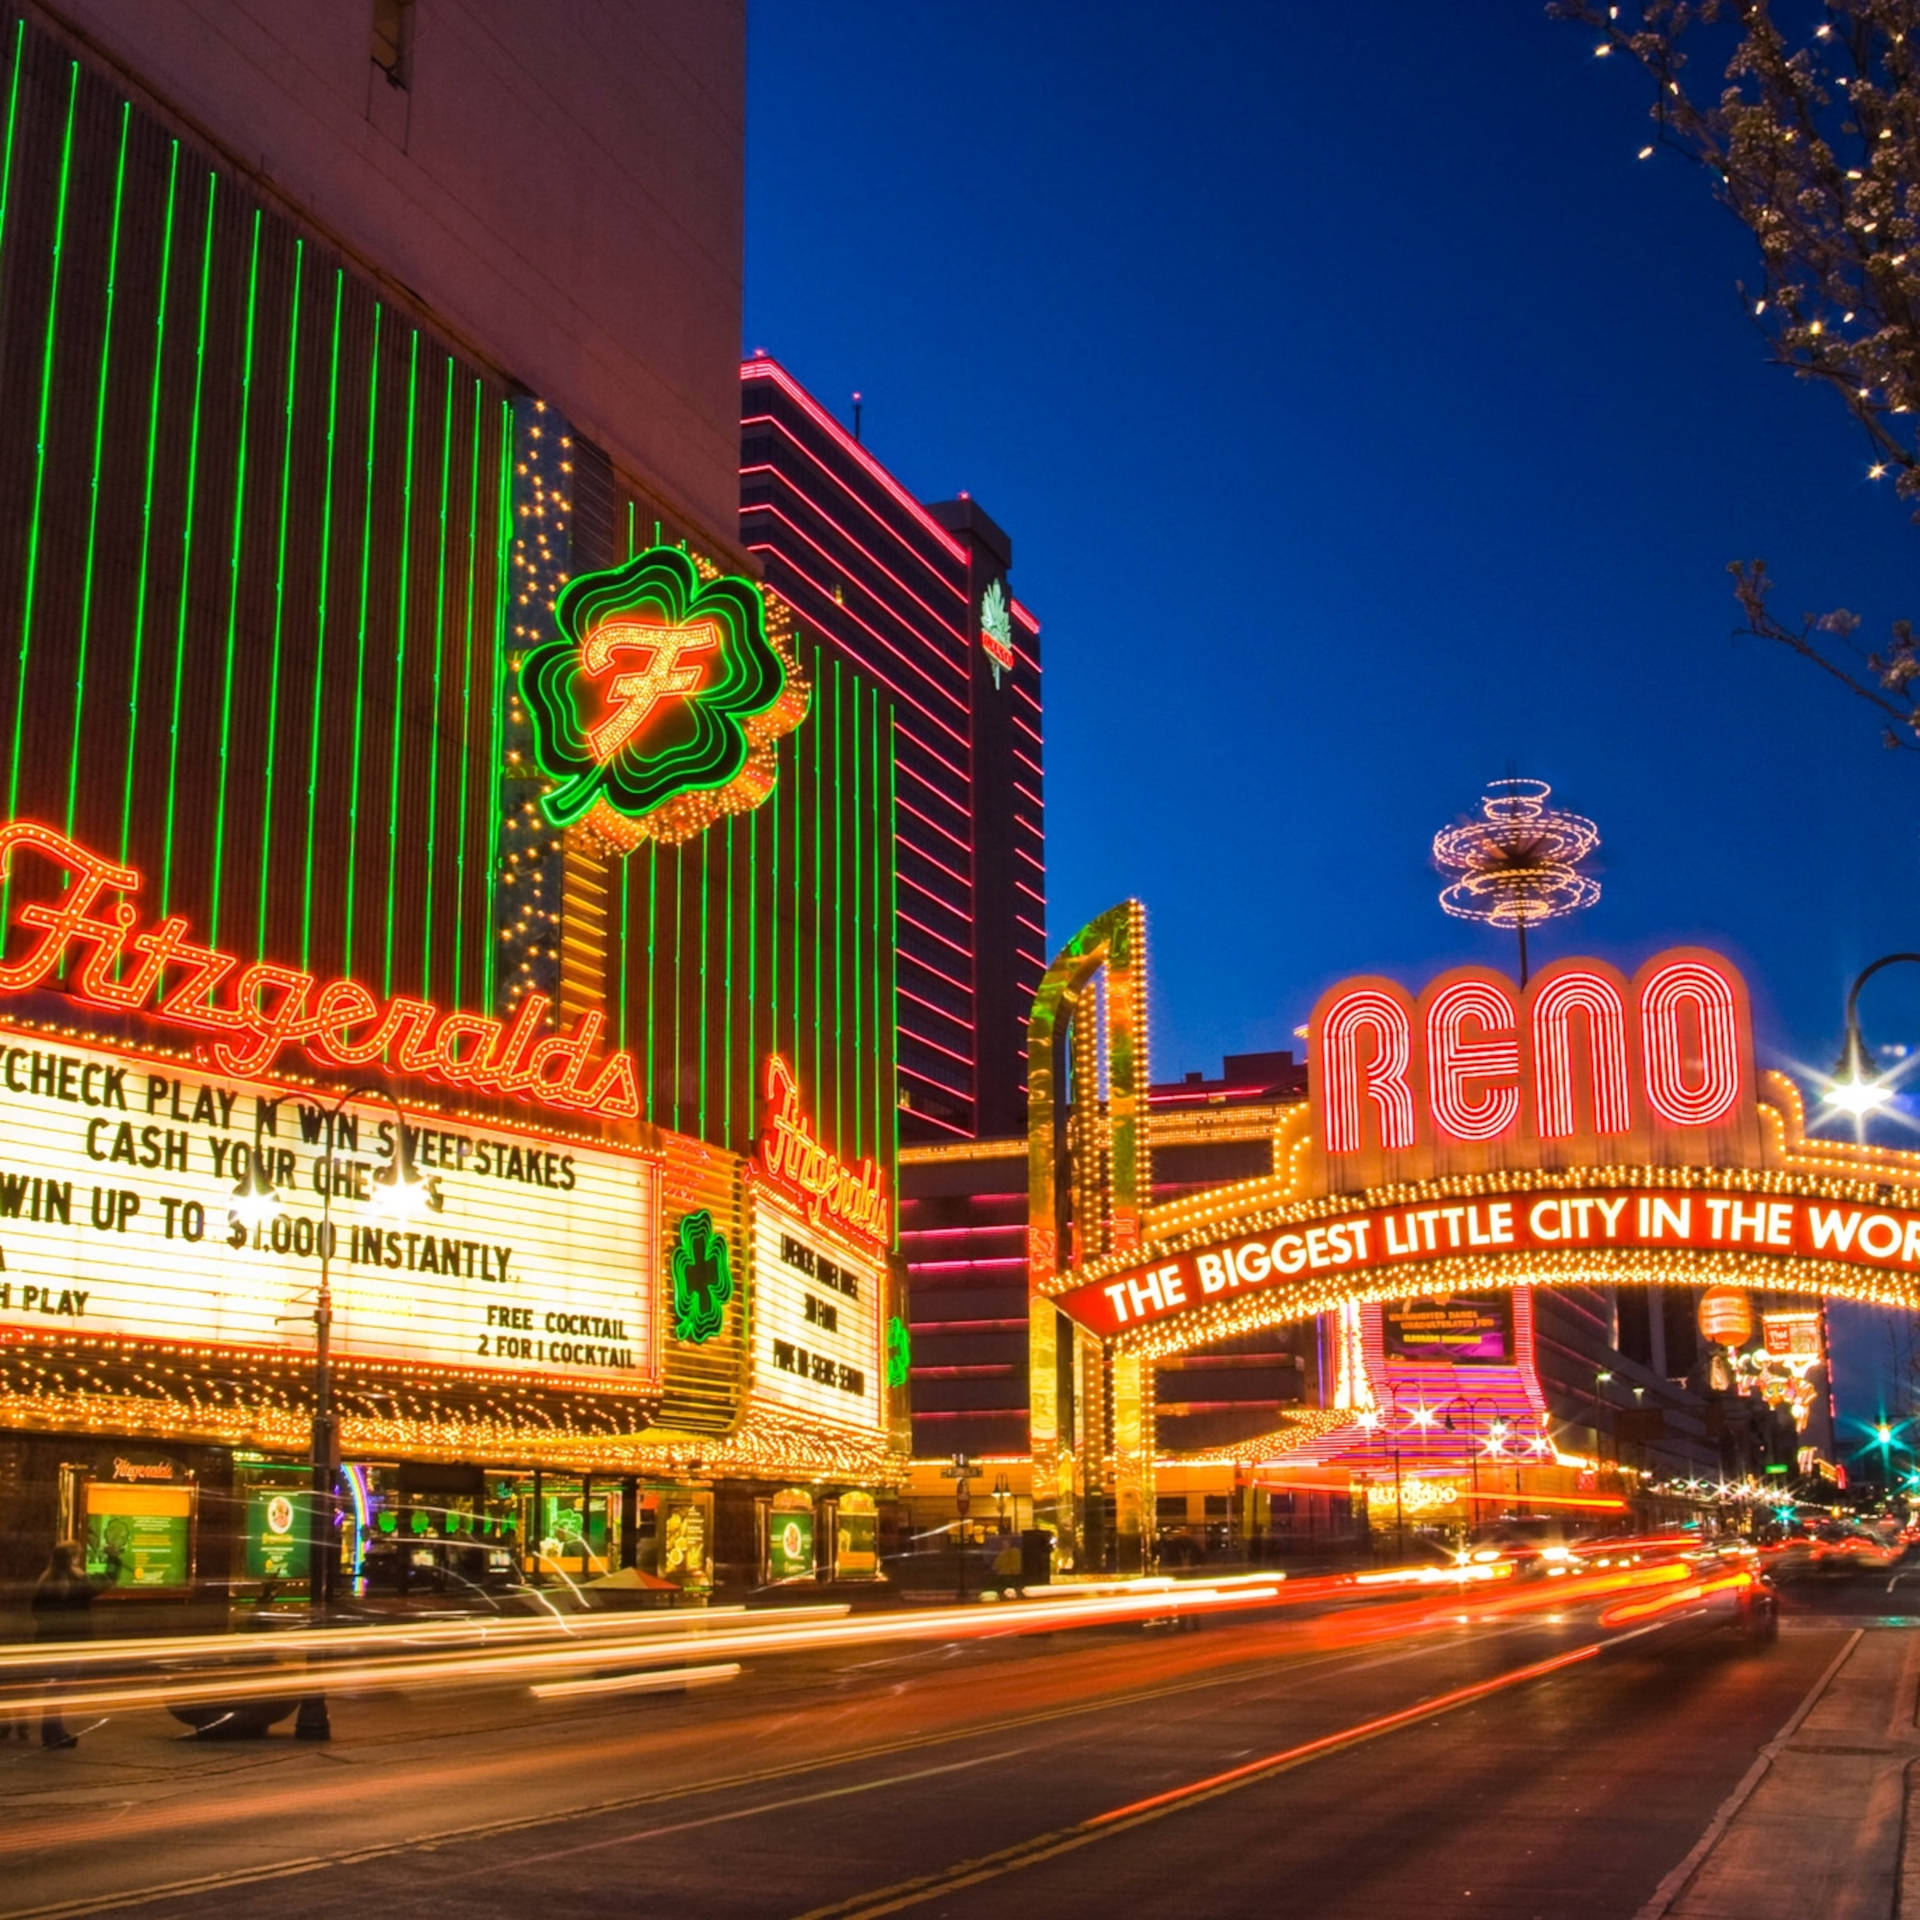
(1366, 419)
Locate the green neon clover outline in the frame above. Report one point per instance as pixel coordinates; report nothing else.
(700, 1304)
(899, 1352)
(751, 678)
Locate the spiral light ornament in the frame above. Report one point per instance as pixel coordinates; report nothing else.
(1519, 863)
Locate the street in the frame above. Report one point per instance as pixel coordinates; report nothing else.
(1389, 1756)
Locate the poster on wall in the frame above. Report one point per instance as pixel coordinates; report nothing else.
(686, 1535)
(120, 1174)
(790, 1536)
(139, 1536)
(856, 1551)
(276, 1533)
(1461, 1327)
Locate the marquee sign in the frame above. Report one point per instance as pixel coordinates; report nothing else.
(818, 1304)
(1671, 1220)
(93, 942)
(657, 706)
(1581, 1068)
(528, 1258)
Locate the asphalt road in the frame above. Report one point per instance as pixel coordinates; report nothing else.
(1385, 1759)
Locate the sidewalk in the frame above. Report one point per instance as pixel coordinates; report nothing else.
(1826, 1823)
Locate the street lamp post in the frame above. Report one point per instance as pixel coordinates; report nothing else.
(1855, 1088)
(255, 1202)
(1469, 1402)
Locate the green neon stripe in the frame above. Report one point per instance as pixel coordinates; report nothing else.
(320, 617)
(400, 656)
(753, 924)
(466, 701)
(360, 648)
(679, 968)
(893, 951)
(93, 491)
(773, 913)
(631, 548)
(146, 507)
(233, 584)
(13, 119)
(439, 650)
(701, 979)
(279, 593)
(620, 972)
(186, 551)
(653, 938)
(726, 1003)
(40, 445)
(496, 755)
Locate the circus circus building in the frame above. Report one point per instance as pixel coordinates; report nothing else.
(1490, 1259)
(446, 994)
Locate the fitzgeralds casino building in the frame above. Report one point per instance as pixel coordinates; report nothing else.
(436, 879)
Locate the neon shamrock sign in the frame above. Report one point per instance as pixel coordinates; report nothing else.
(656, 707)
(702, 1280)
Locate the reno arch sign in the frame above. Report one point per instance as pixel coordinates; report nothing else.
(1583, 1067)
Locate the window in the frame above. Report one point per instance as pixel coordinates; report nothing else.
(393, 40)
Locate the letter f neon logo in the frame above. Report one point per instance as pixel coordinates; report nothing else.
(632, 697)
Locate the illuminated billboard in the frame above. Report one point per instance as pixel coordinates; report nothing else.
(530, 1256)
(1459, 1327)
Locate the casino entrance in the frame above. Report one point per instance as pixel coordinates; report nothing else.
(1477, 1169)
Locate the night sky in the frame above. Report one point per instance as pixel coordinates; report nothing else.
(1368, 422)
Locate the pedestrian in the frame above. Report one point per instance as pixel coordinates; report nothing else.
(62, 1610)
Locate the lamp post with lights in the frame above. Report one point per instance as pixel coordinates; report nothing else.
(1855, 1088)
(255, 1203)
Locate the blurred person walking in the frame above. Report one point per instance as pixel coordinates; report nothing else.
(62, 1610)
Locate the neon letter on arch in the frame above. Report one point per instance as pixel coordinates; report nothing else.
(1368, 1010)
(1717, 1093)
(1452, 1062)
(1600, 1000)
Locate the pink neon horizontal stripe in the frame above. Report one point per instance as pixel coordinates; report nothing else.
(927, 1080)
(948, 1266)
(1028, 761)
(1020, 853)
(945, 906)
(939, 866)
(969, 1326)
(933, 1119)
(859, 546)
(921, 1039)
(1031, 928)
(1032, 733)
(1020, 693)
(907, 766)
(1027, 793)
(1003, 1370)
(1020, 613)
(900, 693)
(927, 966)
(1027, 660)
(1029, 892)
(977, 1227)
(920, 927)
(907, 806)
(933, 1006)
(764, 369)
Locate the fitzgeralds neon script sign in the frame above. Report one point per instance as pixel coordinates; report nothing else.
(828, 1191)
(89, 935)
(656, 708)
(1583, 1067)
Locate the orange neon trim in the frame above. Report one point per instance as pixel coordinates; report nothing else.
(269, 1008)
